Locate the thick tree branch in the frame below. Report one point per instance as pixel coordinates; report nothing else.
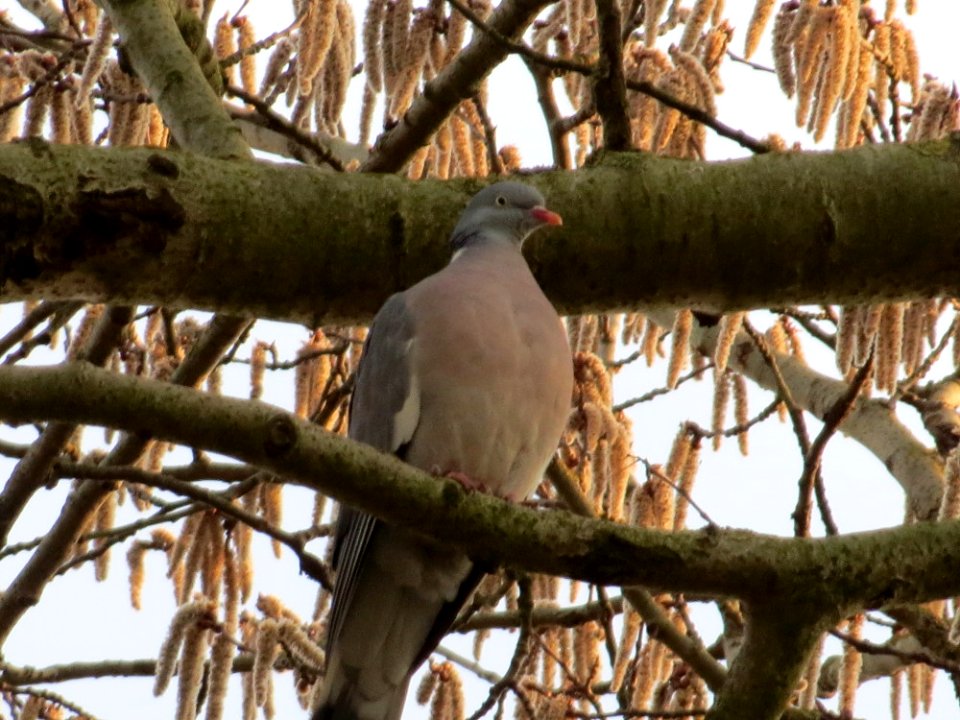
(170, 72)
(775, 650)
(870, 422)
(841, 573)
(687, 648)
(156, 48)
(781, 228)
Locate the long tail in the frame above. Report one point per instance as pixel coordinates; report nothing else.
(389, 613)
(349, 703)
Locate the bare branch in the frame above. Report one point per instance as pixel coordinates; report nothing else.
(284, 127)
(309, 563)
(31, 472)
(609, 92)
(484, 526)
(26, 588)
(450, 87)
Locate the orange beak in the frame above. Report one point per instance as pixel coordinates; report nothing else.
(547, 217)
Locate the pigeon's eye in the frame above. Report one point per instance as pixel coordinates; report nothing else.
(501, 200)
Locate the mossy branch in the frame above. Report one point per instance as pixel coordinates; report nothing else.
(842, 574)
(144, 226)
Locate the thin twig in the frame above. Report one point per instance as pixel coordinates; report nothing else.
(807, 321)
(657, 392)
(905, 385)
(338, 349)
(749, 63)
(554, 63)
(35, 35)
(280, 124)
(782, 388)
(521, 653)
(737, 429)
(32, 319)
(519, 48)
(60, 318)
(166, 515)
(145, 667)
(543, 617)
(653, 614)
(573, 686)
(442, 94)
(571, 122)
(606, 622)
(56, 699)
(237, 344)
(652, 471)
(468, 664)
(264, 44)
(909, 658)
(811, 476)
(800, 431)
(309, 564)
(489, 133)
(629, 713)
(46, 79)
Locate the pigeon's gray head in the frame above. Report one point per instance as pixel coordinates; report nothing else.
(506, 212)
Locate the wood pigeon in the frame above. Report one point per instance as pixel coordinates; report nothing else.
(467, 374)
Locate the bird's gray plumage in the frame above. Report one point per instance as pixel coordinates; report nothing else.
(466, 372)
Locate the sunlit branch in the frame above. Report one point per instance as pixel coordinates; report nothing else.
(280, 125)
(451, 86)
(552, 117)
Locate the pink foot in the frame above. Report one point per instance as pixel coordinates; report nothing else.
(467, 482)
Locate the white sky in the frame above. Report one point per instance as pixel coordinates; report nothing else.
(81, 620)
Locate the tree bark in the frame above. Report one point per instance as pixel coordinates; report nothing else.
(838, 574)
(149, 226)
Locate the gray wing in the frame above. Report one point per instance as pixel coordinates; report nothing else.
(384, 412)
(385, 406)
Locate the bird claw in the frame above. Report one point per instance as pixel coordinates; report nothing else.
(470, 484)
(467, 482)
(464, 480)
